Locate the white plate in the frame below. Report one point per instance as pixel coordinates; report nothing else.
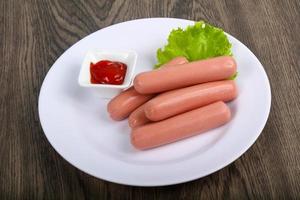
(76, 123)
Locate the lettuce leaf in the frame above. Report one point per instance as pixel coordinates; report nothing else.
(233, 77)
(196, 42)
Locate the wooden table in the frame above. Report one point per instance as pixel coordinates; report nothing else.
(33, 34)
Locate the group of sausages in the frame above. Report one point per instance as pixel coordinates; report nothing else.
(178, 100)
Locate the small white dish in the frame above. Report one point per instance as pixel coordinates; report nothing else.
(107, 90)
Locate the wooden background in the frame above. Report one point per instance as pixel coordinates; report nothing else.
(34, 33)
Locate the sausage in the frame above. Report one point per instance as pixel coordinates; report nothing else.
(179, 76)
(176, 61)
(181, 126)
(181, 100)
(123, 104)
(138, 117)
(127, 101)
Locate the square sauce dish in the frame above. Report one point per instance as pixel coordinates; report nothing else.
(110, 61)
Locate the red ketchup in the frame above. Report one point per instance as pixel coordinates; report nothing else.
(108, 72)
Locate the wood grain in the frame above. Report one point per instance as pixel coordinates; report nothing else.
(33, 34)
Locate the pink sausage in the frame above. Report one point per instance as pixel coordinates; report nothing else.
(179, 76)
(181, 100)
(127, 101)
(123, 104)
(176, 61)
(138, 117)
(181, 126)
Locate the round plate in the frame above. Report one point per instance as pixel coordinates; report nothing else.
(77, 125)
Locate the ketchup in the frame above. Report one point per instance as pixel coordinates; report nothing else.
(108, 72)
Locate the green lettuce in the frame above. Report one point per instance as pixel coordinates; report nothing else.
(196, 42)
